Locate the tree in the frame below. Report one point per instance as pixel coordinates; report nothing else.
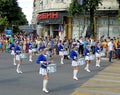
(119, 15)
(87, 6)
(118, 10)
(3, 23)
(118, 3)
(13, 13)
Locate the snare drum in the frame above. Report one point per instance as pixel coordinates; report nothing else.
(92, 57)
(12, 52)
(65, 52)
(102, 54)
(51, 68)
(34, 50)
(23, 55)
(81, 61)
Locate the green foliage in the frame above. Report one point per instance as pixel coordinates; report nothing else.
(3, 23)
(88, 6)
(13, 13)
(118, 3)
(76, 8)
(119, 15)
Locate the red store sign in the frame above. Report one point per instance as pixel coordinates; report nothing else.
(51, 15)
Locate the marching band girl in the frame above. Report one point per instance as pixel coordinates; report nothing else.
(12, 47)
(42, 60)
(30, 51)
(74, 57)
(61, 51)
(98, 56)
(18, 51)
(87, 58)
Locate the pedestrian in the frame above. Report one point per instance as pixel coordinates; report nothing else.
(97, 53)
(1, 45)
(74, 57)
(43, 61)
(118, 51)
(87, 57)
(61, 50)
(18, 51)
(12, 48)
(30, 50)
(110, 49)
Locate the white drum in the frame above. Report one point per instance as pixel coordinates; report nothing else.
(34, 50)
(81, 61)
(66, 52)
(102, 54)
(51, 68)
(12, 52)
(23, 55)
(48, 53)
(92, 57)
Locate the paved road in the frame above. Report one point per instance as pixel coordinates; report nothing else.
(106, 82)
(30, 82)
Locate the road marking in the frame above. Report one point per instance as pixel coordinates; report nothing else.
(96, 92)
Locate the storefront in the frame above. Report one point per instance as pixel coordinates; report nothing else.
(105, 23)
(50, 21)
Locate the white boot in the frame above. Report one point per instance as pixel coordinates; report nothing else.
(75, 74)
(30, 58)
(87, 68)
(62, 60)
(97, 63)
(14, 62)
(18, 69)
(45, 85)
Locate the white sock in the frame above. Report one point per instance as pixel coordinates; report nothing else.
(45, 84)
(87, 66)
(97, 62)
(75, 73)
(30, 58)
(14, 60)
(18, 67)
(62, 60)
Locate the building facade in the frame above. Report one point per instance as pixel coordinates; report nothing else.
(48, 15)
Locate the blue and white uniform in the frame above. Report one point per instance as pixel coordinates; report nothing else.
(18, 51)
(42, 60)
(61, 49)
(87, 53)
(74, 57)
(30, 47)
(97, 51)
(12, 47)
(41, 47)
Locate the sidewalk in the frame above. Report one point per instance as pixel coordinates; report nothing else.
(106, 82)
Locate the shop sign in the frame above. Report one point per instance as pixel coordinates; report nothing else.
(51, 15)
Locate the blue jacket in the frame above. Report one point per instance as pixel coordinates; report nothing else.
(12, 46)
(73, 55)
(43, 60)
(86, 52)
(30, 45)
(60, 47)
(17, 49)
(97, 49)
